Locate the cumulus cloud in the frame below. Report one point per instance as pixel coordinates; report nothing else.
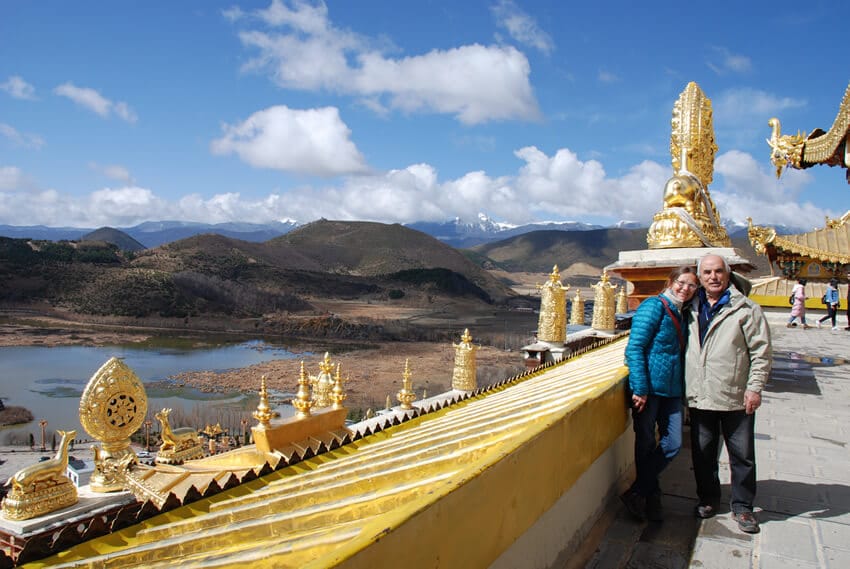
(521, 26)
(95, 102)
(314, 141)
(475, 83)
(734, 104)
(21, 139)
(556, 186)
(18, 88)
(723, 61)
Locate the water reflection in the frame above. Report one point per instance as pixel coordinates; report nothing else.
(818, 360)
(50, 380)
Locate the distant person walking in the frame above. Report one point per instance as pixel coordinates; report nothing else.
(848, 301)
(798, 309)
(655, 358)
(727, 364)
(832, 300)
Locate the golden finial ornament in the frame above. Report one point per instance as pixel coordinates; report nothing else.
(112, 407)
(464, 374)
(622, 300)
(603, 304)
(577, 309)
(552, 324)
(689, 217)
(302, 402)
(406, 396)
(263, 414)
(323, 383)
(337, 393)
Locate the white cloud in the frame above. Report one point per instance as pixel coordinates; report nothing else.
(95, 102)
(734, 104)
(544, 187)
(113, 171)
(521, 26)
(750, 189)
(475, 83)
(314, 141)
(607, 77)
(724, 61)
(18, 88)
(19, 138)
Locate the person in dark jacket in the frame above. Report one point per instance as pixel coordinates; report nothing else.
(832, 301)
(654, 356)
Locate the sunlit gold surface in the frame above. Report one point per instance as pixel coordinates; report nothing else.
(552, 324)
(42, 487)
(799, 151)
(689, 217)
(406, 396)
(302, 402)
(464, 373)
(830, 244)
(178, 445)
(322, 512)
(604, 317)
(577, 309)
(112, 407)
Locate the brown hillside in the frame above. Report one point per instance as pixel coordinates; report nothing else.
(375, 249)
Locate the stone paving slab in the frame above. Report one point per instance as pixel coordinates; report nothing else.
(803, 463)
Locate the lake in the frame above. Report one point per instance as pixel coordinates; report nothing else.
(50, 380)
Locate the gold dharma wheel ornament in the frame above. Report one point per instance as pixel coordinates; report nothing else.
(113, 407)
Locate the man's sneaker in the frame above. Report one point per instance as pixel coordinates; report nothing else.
(706, 511)
(654, 511)
(747, 522)
(635, 504)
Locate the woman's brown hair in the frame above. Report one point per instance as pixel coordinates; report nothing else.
(678, 272)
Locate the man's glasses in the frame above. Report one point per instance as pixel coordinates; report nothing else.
(689, 286)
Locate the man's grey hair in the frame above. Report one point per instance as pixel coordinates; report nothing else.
(721, 257)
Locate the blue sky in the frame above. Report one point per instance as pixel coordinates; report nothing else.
(115, 113)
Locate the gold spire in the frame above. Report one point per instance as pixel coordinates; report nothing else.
(577, 309)
(463, 376)
(622, 301)
(323, 383)
(302, 402)
(406, 396)
(603, 304)
(552, 324)
(263, 414)
(337, 393)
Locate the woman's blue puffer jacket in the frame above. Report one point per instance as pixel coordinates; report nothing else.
(653, 354)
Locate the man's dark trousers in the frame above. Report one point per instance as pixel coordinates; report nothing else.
(738, 431)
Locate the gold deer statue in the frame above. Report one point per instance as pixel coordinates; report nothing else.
(177, 444)
(42, 487)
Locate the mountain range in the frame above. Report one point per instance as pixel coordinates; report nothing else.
(456, 232)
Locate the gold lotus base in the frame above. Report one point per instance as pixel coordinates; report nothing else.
(55, 496)
(295, 429)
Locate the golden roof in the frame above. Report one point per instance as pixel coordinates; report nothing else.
(829, 244)
(324, 510)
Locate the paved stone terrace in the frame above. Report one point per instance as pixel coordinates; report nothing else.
(803, 460)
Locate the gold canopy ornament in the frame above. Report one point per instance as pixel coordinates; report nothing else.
(604, 317)
(689, 217)
(552, 324)
(464, 374)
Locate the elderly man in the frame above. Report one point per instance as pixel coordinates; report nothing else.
(727, 363)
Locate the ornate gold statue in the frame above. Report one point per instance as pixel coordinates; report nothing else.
(323, 383)
(406, 396)
(178, 445)
(577, 309)
(689, 217)
(112, 407)
(622, 301)
(603, 304)
(464, 374)
(552, 324)
(302, 401)
(800, 151)
(42, 487)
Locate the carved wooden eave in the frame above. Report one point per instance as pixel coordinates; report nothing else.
(830, 244)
